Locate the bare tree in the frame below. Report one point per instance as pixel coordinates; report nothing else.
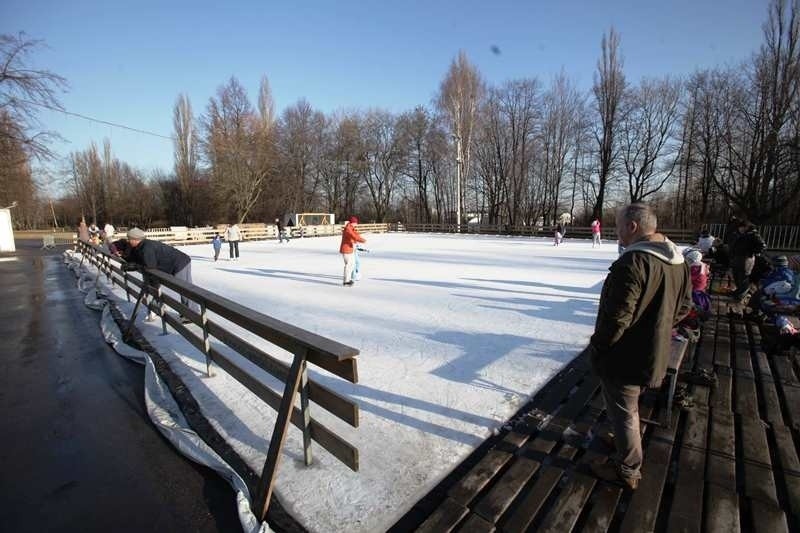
(609, 86)
(562, 115)
(702, 142)
(520, 107)
(647, 132)
(23, 91)
(581, 155)
(492, 159)
(302, 128)
(185, 141)
(87, 179)
(421, 135)
(16, 178)
(236, 138)
(504, 145)
(459, 97)
(385, 158)
(760, 138)
(344, 163)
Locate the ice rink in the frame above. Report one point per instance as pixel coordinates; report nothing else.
(455, 334)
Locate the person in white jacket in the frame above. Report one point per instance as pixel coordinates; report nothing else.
(233, 236)
(705, 242)
(108, 234)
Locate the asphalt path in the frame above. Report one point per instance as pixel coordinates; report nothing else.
(77, 449)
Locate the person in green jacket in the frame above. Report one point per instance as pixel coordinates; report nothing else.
(647, 291)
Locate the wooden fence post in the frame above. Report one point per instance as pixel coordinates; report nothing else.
(125, 283)
(98, 263)
(132, 319)
(267, 481)
(305, 409)
(206, 342)
(161, 310)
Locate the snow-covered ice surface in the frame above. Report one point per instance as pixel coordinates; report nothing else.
(455, 334)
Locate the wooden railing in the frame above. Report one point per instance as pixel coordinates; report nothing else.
(256, 232)
(778, 238)
(306, 347)
(677, 235)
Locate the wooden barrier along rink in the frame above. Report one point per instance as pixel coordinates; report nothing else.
(306, 348)
(777, 238)
(257, 232)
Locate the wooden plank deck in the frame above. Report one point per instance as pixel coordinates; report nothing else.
(728, 464)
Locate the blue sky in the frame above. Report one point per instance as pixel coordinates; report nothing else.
(126, 62)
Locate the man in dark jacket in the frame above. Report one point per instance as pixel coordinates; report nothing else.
(647, 292)
(160, 256)
(282, 233)
(745, 247)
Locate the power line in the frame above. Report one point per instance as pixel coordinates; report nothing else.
(91, 119)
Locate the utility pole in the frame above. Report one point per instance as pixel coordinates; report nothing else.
(458, 183)
(55, 220)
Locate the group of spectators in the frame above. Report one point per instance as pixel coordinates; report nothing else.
(93, 234)
(776, 294)
(141, 253)
(654, 293)
(767, 287)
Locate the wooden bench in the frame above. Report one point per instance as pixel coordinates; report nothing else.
(729, 464)
(677, 352)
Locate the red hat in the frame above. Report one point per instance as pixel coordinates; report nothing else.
(353, 219)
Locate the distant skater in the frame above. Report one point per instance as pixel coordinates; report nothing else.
(350, 237)
(596, 233)
(216, 242)
(233, 236)
(282, 231)
(559, 235)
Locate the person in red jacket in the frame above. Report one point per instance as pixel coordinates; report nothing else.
(350, 237)
(596, 232)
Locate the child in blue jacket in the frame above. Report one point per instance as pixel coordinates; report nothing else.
(216, 242)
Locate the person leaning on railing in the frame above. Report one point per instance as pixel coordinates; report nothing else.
(159, 256)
